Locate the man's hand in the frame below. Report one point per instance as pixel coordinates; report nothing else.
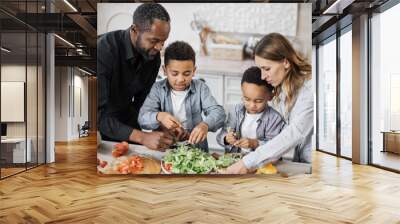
(246, 143)
(230, 138)
(168, 121)
(199, 133)
(155, 140)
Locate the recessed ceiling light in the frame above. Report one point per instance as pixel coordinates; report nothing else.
(64, 40)
(70, 5)
(84, 71)
(5, 50)
(338, 6)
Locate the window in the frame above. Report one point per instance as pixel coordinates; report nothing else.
(385, 89)
(327, 96)
(346, 94)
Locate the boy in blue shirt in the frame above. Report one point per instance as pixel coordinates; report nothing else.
(251, 123)
(177, 102)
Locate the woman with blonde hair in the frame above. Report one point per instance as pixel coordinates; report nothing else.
(290, 75)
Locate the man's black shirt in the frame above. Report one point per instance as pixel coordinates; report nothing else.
(124, 79)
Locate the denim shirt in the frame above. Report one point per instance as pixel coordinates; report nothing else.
(296, 135)
(269, 125)
(198, 100)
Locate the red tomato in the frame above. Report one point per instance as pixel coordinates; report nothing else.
(120, 149)
(136, 164)
(168, 166)
(103, 164)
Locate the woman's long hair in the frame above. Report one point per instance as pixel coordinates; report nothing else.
(276, 47)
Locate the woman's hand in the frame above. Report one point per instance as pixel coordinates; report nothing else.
(199, 133)
(237, 168)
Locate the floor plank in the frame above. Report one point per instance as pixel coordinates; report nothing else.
(70, 191)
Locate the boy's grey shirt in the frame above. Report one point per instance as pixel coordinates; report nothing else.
(269, 125)
(296, 135)
(198, 100)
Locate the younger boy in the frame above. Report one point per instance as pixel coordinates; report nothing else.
(251, 123)
(177, 102)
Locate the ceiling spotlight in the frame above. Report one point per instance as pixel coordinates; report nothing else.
(5, 50)
(338, 6)
(64, 40)
(84, 71)
(70, 5)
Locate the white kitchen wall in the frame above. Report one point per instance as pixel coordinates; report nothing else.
(115, 16)
(252, 19)
(256, 18)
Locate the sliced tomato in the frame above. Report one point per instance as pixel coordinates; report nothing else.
(120, 149)
(103, 164)
(123, 168)
(116, 153)
(135, 164)
(168, 166)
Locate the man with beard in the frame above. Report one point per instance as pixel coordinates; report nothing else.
(128, 62)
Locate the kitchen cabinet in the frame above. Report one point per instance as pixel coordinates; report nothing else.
(215, 83)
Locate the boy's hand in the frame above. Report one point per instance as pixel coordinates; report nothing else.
(230, 138)
(168, 121)
(199, 133)
(247, 143)
(181, 134)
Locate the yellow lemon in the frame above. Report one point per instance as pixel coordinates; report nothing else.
(267, 169)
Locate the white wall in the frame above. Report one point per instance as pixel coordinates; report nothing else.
(33, 127)
(68, 83)
(61, 103)
(114, 16)
(12, 73)
(304, 30)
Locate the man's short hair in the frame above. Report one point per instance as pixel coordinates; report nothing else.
(253, 75)
(145, 14)
(179, 50)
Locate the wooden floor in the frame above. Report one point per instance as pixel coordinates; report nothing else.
(386, 159)
(70, 191)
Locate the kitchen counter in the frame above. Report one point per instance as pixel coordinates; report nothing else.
(105, 148)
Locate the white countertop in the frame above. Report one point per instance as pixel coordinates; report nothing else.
(105, 148)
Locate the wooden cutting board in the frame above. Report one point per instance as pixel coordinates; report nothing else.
(150, 166)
